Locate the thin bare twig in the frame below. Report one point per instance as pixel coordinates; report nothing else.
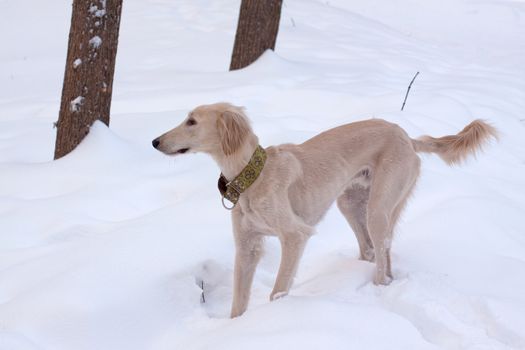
(408, 90)
(202, 295)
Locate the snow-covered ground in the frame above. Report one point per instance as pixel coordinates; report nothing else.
(106, 248)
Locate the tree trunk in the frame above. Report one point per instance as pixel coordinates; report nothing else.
(88, 79)
(256, 31)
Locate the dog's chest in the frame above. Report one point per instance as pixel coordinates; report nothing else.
(256, 217)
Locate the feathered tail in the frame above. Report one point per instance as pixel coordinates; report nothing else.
(453, 149)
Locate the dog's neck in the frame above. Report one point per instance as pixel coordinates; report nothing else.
(232, 165)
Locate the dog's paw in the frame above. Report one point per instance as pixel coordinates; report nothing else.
(236, 313)
(382, 279)
(277, 295)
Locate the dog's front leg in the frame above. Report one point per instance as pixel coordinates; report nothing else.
(249, 248)
(292, 247)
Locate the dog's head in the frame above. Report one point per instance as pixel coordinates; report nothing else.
(216, 128)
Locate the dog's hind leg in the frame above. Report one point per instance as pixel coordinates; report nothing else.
(380, 226)
(391, 185)
(352, 204)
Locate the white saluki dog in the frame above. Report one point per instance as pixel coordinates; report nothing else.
(369, 167)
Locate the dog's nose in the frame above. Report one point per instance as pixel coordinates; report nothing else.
(155, 143)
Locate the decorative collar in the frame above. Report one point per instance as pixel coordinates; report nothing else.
(232, 190)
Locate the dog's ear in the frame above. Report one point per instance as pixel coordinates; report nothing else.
(233, 128)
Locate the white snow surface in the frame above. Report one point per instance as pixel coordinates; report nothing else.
(106, 248)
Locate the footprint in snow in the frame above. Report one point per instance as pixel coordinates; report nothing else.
(215, 280)
(445, 317)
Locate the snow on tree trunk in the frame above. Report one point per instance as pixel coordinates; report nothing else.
(88, 78)
(256, 31)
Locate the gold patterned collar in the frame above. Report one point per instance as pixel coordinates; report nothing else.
(232, 190)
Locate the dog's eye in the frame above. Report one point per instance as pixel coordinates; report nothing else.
(191, 122)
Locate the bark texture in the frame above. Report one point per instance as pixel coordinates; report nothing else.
(256, 31)
(88, 78)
